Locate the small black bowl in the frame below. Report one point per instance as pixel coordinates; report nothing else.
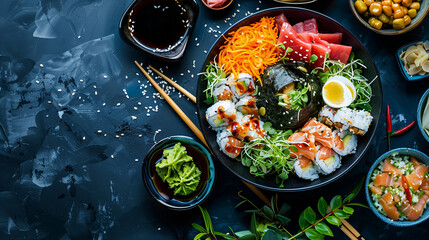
(159, 190)
(171, 54)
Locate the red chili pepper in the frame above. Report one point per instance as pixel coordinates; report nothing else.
(388, 125)
(407, 190)
(404, 129)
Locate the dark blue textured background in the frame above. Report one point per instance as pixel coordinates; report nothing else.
(77, 119)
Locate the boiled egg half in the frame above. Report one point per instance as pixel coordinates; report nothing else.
(338, 92)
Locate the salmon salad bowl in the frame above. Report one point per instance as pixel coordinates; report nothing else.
(397, 187)
(288, 99)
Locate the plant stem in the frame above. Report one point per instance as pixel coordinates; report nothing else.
(314, 224)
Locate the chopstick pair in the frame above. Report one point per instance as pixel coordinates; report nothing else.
(346, 227)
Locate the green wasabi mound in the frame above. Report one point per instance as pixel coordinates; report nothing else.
(178, 169)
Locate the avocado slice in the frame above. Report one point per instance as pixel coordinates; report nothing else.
(346, 139)
(218, 122)
(329, 160)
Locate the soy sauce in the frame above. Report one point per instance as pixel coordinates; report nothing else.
(201, 163)
(158, 24)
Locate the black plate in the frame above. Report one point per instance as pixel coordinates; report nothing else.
(294, 184)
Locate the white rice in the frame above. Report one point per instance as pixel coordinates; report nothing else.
(351, 146)
(328, 169)
(327, 112)
(247, 78)
(310, 173)
(244, 102)
(212, 114)
(362, 120)
(345, 117)
(222, 139)
(220, 89)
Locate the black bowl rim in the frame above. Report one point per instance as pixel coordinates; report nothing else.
(305, 188)
(184, 42)
(404, 223)
(209, 185)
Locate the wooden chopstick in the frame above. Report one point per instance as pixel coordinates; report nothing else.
(180, 88)
(176, 108)
(347, 228)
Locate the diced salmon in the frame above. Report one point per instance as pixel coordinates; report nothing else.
(388, 205)
(304, 162)
(376, 190)
(415, 179)
(415, 162)
(305, 143)
(388, 167)
(325, 153)
(413, 212)
(425, 186)
(338, 142)
(385, 180)
(322, 133)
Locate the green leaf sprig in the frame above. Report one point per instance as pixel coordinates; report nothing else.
(213, 75)
(352, 71)
(269, 155)
(269, 222)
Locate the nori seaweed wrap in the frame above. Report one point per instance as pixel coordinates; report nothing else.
(274, 79)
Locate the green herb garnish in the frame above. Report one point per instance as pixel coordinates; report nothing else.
(270, 221)
(269, 155)
(178, 170)
(352, 71)
(214, 75)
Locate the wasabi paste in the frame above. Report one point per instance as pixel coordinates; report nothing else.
(178, 170)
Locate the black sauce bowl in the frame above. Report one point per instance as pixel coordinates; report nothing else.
(171, 55)
(159, 190)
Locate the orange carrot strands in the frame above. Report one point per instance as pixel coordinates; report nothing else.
(251, 49)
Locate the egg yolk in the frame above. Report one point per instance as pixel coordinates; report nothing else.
(334, 93)
(351, 90)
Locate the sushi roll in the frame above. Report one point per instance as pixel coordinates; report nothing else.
(343, 118)
(306, 169)
(243, 86)
(327, 160)
(361, 122)
(304, 143)
(223, 92)
(247, 106)
(326, 115)
(322, 133)
(228, 144)
(221, 113)
(345, 142)
(247, 127)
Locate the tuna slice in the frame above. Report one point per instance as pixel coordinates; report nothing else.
(413, 212)
(415, 179)
(301, 50)
(215, 3)
(331, 37)
(304, 142)
(340, 52)
(322, 133)
(388, 205)
(389, 168)
(309, 25)
(280, 19)
(320, 51)
(384, 180)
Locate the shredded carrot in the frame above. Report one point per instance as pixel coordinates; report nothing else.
(251, 49)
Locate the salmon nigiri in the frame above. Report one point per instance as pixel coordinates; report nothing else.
(322, 133)
(304, 142)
